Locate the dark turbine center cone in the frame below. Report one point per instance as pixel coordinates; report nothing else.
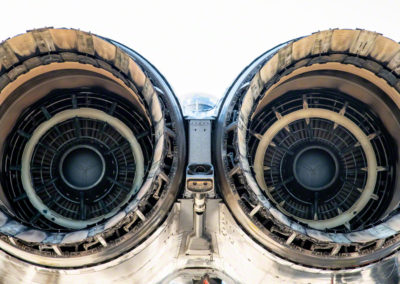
(82, 168)
(315, 168)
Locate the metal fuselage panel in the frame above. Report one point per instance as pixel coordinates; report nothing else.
(236, 258)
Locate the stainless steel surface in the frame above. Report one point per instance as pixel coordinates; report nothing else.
(199, 171)
(199, 185)
(238, 259)
(199, 141)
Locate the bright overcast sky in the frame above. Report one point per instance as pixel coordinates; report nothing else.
(201, 46)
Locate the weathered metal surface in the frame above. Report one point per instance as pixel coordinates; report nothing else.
(237, 259)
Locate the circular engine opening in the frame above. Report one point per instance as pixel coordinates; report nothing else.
(307, 149)
(317, 158)
(93, 148)
(75, 158)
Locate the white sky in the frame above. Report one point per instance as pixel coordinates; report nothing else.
(201, 46)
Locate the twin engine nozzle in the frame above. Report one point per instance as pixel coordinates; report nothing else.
(305, 149)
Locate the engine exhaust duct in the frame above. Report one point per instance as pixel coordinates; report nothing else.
(92, 149)
(307, 149)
